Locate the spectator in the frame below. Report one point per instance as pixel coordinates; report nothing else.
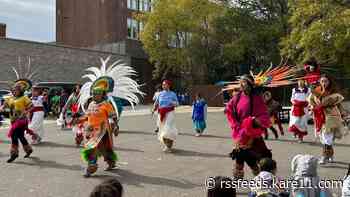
(346, 184)
(55, 103)
(267, 175)
(46, 101)
(219, 191)
(108, 188)
(304, 169)
(63, 99)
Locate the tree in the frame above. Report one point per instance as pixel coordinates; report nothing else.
(177, 37)
(320, 29)
(250, 31)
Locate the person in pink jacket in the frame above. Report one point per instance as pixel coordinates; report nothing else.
(248, 117)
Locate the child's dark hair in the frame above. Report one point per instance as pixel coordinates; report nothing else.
(219, 188)
(108, 188)
(267, 164)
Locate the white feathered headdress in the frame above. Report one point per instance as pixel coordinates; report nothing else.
(24, 75)
(118, 76)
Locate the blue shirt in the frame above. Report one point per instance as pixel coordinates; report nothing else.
(166, 99)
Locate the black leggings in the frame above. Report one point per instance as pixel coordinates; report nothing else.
(18, 134)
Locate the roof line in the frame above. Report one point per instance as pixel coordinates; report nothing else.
(62, 46)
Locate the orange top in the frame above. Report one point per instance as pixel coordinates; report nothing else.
(98, 114)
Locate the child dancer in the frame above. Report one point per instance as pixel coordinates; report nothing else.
(199, 115)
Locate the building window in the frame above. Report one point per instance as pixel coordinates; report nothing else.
(134, 28)
(179, 40)
(133, 4)
(139, 5)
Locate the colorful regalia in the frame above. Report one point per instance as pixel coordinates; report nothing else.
(20, 105)
(328, 121)
(69, 115)
(273, 108)
(248, 117)
(199, 115)
(299, 113)
(166, 103)
(36, 123)
(101, 115)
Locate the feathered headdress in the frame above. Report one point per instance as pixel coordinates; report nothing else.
(272, 77)
(115, 80)
(24, 75)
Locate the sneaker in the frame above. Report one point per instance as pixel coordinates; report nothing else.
(86, 174)
(12, 158)
(110, 167)
(167, 150)
(197, 135)
(28, 154)
(331, 160)
(300, 140)
(322, 161)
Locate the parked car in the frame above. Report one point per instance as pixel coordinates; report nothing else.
(3, 94)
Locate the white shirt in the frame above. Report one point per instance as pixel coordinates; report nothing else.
(37, 101)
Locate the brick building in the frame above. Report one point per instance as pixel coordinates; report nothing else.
(105, 25)
(56, 62)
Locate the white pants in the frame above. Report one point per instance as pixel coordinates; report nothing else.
(167, 128)
(37, 123)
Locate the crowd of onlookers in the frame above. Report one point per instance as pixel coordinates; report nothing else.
(267, 182)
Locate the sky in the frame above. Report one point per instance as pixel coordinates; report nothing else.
(33, 20)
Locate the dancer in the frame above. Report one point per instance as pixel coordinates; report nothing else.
(101, 117)
(36, 123)
(299, 111)
(199, 115)
(71, 113)
(328, 113)
(248, 117)
(273, 107)
(165, 105)
(155, 97)
(19, 105)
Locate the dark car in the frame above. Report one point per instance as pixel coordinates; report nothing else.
(3, 95)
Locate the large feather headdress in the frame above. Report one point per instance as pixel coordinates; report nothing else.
(24, 75)
(116, 79)
(271, 77)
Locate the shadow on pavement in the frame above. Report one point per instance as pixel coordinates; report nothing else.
(54, 144)
(128, 150)
(137, 132)
(189, 153)
(131, 178)
(49, 164)
(191, 134)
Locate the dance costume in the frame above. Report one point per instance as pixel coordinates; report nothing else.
(166, 103)
(299, 112)
(101, 116)
(199, 116)
(36, 123)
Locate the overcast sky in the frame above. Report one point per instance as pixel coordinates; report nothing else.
(29, 19)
